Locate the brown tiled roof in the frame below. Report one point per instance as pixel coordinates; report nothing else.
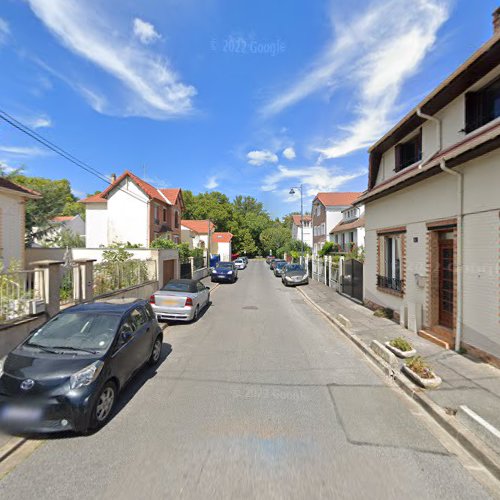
(222, 237)
(198, 226)
(171, 194)
(296, 219)
(7, 184)
(63, 218)
(347, 226)
(340, 199)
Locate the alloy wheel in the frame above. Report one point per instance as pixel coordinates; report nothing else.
(157, 350)
(105, 403)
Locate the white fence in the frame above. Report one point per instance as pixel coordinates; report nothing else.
(325, 270)
(22, 293)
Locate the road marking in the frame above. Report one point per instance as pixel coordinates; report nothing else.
(19, 455)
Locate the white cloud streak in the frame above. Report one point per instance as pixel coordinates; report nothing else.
(40, 122)
(145, 32)
(4, 31)
(289, 153)
(153, 88)
(23, 151)
(315, 179)
(260, 157)
(372, 54)
(212, 182)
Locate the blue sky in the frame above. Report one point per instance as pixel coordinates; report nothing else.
(242, 97)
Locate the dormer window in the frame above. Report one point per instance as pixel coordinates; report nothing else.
(409, 152)
(482, 106)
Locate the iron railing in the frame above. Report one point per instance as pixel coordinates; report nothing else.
(390, 283)
(22, 294)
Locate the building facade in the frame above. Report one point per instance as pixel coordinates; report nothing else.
(195, 232)
(349, 233)
(132, 210)
(326, 214)
(432, 212)
(304, 227)
(221, 245)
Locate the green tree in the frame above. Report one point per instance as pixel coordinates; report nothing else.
(275, 238)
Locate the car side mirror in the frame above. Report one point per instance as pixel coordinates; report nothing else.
(126, 335)
(207, 288)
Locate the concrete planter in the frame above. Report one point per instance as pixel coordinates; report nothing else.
(399, 353)
(426, 383)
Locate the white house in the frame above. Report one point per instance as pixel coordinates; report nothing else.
(132, 210)
(195, 232)
(12, 217)
(432, 211)
(350, 231)
(221, 245)
(327, 213)
(305, 227)
(71, 223)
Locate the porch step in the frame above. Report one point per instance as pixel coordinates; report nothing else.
(434, 339)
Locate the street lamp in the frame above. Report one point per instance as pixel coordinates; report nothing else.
(292, 192)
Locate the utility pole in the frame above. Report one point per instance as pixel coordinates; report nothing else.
(208, 245)
(292, 192)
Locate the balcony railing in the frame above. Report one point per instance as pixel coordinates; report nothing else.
(391, 283)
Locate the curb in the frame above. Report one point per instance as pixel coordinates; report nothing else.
(460, 433)
(10, 447)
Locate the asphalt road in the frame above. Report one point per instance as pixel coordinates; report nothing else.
(259, 399)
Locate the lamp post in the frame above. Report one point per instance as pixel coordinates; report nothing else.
(208, 246)
(292, 192)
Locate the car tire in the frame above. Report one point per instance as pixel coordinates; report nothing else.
(196, 314)
(154, 358)
(103, 406)
(208, 301)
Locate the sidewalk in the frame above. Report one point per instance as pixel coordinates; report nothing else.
(465, 381)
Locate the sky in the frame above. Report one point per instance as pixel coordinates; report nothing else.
(247, 98)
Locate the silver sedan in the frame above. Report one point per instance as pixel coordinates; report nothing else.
(180, 300)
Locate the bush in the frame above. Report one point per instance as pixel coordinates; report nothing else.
(418, 365)
(401, 344)
(162, 242)
(328, 248)
(384, 312)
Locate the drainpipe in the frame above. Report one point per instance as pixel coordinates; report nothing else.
(439, 141)
(460, 199)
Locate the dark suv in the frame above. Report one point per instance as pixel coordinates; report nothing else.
(67, 374)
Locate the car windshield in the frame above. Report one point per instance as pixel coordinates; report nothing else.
(225, 265)
(179, 286)
(280, 264)
(295, 267)
(77, 331)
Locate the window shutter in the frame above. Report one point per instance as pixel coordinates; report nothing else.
(381, 255)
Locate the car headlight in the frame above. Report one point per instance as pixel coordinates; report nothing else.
(2, 363)
(86, 376)
(305, 276)
(289, 278)
(230, 272)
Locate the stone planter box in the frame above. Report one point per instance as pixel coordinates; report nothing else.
(399, 353)
(426, 383)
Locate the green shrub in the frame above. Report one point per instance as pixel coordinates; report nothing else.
(418, 365)
(402, 344)
(384, 312)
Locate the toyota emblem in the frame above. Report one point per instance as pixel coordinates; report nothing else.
(27, 384)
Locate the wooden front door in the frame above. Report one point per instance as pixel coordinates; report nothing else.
(446, 283)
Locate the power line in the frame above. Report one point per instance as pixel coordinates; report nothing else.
(58, 150)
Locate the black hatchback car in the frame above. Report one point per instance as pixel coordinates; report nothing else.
(67, 374)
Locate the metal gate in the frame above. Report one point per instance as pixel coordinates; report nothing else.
(352, 279)
(186, 271)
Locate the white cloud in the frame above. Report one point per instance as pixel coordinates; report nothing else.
(40, 122)
(373, 54)
(289, 153)
(23, 151)
(4, 30)
(145, 31)
(259, 157)
(212, 182)
(314, 179)
(153, 88)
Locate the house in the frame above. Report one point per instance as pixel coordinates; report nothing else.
(13, 199)
(130, 209)
(350, 231)
(221, 245)
(326, 214)
(195, 232)
(305, 227)
(432, 211)
(71, 223)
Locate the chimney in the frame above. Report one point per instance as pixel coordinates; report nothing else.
(113, 178)
(496, 21)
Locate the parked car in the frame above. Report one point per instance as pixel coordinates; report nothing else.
(180, 300)
(272, 266)
(225, 271)
(269, 258)
(279, 266)
(294, 274)
(66, 376)
(240, 263)
(245, 259)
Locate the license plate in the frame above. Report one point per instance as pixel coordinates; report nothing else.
(21, 414)
(168, 302)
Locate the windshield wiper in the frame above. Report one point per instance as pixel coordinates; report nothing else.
(71, 348)
(42, 347)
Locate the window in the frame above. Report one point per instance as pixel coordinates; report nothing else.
(409, 152)
(390, 275)
(164, 215)
(176, 219)
(482, 107)
(137, 319)
(351, 238)
(157, 214)
(200, 287)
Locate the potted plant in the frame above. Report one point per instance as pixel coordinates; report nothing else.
(420, 372)
(401, 347)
